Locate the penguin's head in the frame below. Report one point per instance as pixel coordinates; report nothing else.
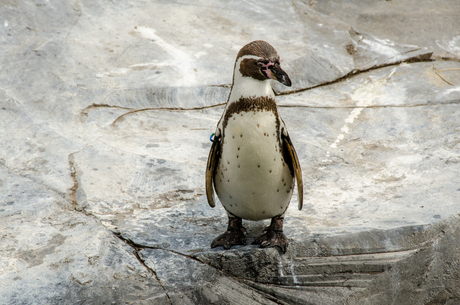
(259, 60)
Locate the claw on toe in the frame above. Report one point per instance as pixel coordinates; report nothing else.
(274, 236)
(229, 239)
(235, 235)
(272, 239)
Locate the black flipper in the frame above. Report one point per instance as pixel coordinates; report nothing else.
(290, 151)
(213, 159)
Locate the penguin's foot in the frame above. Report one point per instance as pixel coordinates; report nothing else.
(235, 235)
(273, 236)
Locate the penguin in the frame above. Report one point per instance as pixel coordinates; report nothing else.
(252, 164)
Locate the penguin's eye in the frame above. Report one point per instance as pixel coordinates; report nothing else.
(263, 63)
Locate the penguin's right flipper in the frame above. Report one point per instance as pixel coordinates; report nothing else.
(213, 159)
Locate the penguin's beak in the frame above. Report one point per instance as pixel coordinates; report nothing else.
(279, 75)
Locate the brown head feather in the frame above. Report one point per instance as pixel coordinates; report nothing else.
(259, 48)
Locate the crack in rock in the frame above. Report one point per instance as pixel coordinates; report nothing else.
(136, 249)
(73, 176)
(139, 247)
(76, 195)
(73, 199)
(86, 110)
(421, 57)
(164, 109)
(428, 103)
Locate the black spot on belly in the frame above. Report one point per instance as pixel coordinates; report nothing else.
(270, 171)
(258, 165)
(241, 135)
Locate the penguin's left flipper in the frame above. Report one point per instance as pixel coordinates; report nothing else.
(213, 160)
(290, 152)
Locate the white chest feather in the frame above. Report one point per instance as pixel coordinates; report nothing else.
(252, 179)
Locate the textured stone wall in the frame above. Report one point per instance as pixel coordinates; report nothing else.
(106, 109)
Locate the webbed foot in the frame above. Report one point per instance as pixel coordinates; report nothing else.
(235, 235)
(273, 236)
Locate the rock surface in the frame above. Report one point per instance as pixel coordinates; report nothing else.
(105, 114)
